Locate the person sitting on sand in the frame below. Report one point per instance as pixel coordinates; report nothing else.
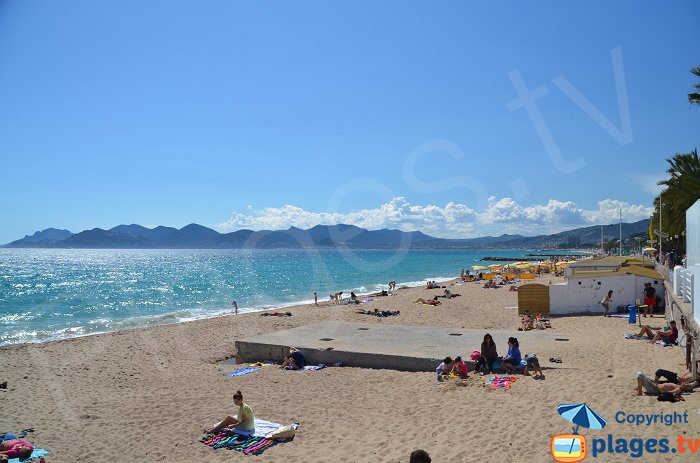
(513, 288)
(655, 388)
(488, 354)
(444, 368)
(513, 357)
(542, 323)
(526, 322)
(15, 448)
(460, 368)
(420, 300)
(669, 337)
(242, 423)
(294, 361)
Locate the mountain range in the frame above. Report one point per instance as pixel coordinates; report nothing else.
(194, 236)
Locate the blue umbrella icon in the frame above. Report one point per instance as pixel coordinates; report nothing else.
(581, 415)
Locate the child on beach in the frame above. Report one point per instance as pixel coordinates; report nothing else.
(460, 368)
(444, 368)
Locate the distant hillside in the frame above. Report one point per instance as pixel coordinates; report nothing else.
(195, 236)
(41, 239)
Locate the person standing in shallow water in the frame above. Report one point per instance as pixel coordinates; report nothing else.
(235, 307)
(315, 298)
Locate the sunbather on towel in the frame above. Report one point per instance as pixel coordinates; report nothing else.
(15, 448)
(243, 423)
(420, 300)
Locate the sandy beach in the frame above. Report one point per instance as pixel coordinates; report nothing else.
(146, 395)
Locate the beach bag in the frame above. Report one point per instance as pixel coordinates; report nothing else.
(283, 433)
(476, 355)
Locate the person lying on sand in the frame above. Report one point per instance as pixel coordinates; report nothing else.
(654, 388)
(15, 448)
(378, 313)
(420, 300)
(242, 423)
(684, 378)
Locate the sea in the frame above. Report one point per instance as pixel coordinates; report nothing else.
(50, 294)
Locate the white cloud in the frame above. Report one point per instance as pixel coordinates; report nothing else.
(453, 220)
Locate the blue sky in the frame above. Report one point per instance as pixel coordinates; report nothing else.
(391, 114)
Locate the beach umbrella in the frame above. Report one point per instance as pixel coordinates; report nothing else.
(522, 266)
(650, 249)
(496, 266)
(581, 415)
(478, 267)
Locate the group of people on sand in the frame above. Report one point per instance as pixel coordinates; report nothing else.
(670, 389)
(488, 360)
(531, 322)
(433, 285)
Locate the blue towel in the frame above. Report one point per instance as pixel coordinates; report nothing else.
(242, 371)
(36, 454)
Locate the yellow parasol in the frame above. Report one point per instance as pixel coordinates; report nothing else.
(479, 267)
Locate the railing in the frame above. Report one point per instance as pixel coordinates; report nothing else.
(663, 270)
(683, 280)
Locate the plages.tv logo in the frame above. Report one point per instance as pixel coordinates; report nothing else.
(572, 448)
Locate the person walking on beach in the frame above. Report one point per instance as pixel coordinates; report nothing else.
(315, 298)
(235, 307)
(606, 302)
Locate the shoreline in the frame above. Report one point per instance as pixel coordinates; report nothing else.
(223, 313)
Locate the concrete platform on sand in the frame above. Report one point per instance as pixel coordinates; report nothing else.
(371, 345)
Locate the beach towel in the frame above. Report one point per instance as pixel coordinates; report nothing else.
(242, 371)
(254, 444)
(634, 336)
(320, 366)
(36, 454)
(501, 382)
(246, 444)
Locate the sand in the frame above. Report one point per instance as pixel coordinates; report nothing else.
(146, 394)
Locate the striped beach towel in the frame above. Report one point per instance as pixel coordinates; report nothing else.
(248, 445)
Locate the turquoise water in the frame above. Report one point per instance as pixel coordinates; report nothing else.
(48, 294)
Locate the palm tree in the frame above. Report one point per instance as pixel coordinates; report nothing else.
(694, 97)
(682, 191)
